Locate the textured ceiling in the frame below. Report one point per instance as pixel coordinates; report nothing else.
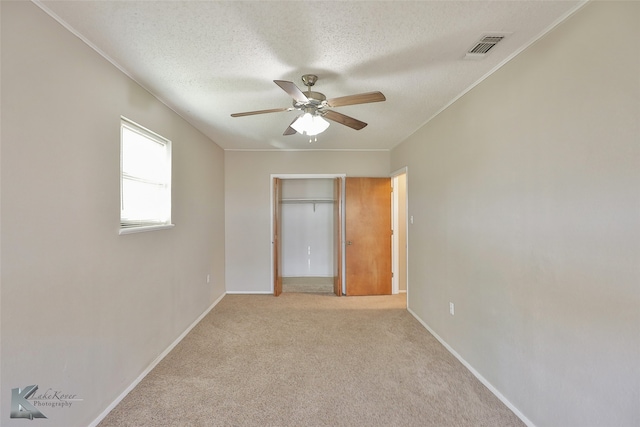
(208, 59)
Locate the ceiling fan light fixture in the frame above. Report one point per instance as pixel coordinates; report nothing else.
(310, 124)
(315, 108)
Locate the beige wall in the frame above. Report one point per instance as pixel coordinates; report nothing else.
(248, 203)
(526, 205)
(524, 194)
(85, 310)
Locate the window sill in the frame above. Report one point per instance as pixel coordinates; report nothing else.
(143, 228)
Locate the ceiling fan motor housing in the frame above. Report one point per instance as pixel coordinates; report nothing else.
(316, 100)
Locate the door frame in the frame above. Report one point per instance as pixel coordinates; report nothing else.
(272, 206)
(395, 255)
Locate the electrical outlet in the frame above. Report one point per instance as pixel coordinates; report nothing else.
(208, 278)
(452, 309)
(411, 219)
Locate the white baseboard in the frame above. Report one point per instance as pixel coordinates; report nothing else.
(249, 292)
(153, 365)
(482, 379)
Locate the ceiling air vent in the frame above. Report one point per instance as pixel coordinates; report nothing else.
(483, 46)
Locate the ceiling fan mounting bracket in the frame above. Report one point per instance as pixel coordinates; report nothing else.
(309, 79)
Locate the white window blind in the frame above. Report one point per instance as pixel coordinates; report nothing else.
(145, 178)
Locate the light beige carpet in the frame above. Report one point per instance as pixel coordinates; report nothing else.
(321, 285)
(305, 359)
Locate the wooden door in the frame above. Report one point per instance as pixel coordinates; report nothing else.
(337, 237)
(368, 235)
(276, 242)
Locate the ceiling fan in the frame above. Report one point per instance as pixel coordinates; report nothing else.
(315, 107)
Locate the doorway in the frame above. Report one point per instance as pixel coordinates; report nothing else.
(399, 214)
(396, 209)
(307, 233)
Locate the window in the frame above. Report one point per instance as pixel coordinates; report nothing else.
(145, 179)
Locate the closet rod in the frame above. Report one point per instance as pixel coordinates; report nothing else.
(310, 201)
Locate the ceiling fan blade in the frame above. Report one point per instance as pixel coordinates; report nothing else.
(251, 113)
(362, 98)
(292, 90)
(290, 130)
(344, 120)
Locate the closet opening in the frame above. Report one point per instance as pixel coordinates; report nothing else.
(307, 237)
